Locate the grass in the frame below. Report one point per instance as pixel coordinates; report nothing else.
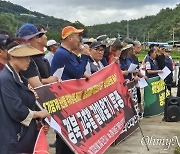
(175, 54)
(177, 150)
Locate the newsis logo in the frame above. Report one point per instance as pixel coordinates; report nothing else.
(167, 142)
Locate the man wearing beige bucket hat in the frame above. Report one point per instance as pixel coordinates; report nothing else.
(17, 103)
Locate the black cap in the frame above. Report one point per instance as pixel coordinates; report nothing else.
(152, 45)
(96, 44)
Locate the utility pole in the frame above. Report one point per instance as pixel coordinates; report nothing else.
(127, 29)
(29, 10)
(144, 37)
(148, 36)
(173, 36)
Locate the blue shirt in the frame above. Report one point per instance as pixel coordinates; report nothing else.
(151, 65)
(124, 65)
(66, 59)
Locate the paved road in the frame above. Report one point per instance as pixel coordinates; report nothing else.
(153, 128)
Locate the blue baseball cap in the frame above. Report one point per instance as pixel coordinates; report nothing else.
(28, 31)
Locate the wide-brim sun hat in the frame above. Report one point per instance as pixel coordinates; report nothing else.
(23, 50)
(127, 46)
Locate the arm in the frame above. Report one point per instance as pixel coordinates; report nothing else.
(125, 73)
(154, 71)
(150, 71)
(72, 68)
(141, 75)
(32, 75)
(14, 106)
(35, 81)
(51, 79)
(41, 114)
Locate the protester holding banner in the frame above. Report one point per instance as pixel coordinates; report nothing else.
(115, 51)
(152, 69)
(125, 62)
(42, 63)
(154, 47)
(17, 103)
(38, 73)
(137, 48)
(64, 57)
(77, 55)
(96, 60)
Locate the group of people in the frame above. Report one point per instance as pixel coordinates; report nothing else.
(24, 66)
(18, 112)
(158, 57)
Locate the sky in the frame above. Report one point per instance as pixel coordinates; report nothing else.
(90, 12)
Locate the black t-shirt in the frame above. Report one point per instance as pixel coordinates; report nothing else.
(43, 65)
(39, 66)
(160, 61)
(32, 70)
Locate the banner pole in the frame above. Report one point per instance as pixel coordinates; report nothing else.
(138, 118)
(143, 136)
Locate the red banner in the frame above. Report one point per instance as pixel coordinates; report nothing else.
(90, 113)
(41, 145)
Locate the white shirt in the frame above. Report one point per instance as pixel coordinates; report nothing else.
(49, 56)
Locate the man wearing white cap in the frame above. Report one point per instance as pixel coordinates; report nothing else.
(52, 46)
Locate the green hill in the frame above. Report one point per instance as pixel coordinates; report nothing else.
(13, 16)
(156, 28)
(152, 28)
